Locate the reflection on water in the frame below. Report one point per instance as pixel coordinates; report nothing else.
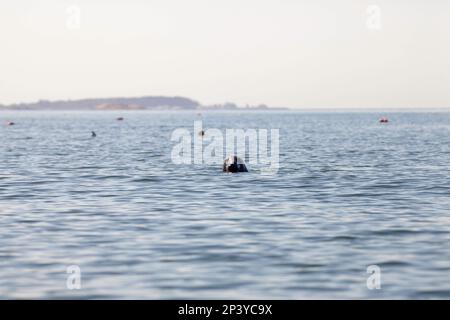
(350, 193)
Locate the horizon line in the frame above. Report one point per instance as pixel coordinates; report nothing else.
(200, 104)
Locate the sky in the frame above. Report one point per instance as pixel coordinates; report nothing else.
(284, 53)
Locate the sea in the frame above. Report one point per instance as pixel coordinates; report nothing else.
(357, 209)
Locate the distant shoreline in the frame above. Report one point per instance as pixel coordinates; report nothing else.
(177, 103)
(157, 103)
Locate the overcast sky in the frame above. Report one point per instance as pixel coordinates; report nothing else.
(293, 53)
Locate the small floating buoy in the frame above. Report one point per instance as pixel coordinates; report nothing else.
(93, 134)
(384, 120)
(120, 119)
(10, 123)
(234, 164)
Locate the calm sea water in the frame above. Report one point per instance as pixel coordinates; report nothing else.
(350, 193)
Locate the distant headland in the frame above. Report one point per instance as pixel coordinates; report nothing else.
(138, 103)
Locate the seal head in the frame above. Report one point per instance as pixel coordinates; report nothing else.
(234, 164)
